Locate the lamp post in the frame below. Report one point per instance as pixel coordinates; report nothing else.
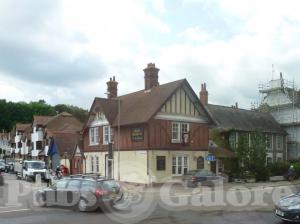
(118, 139)
(119, 118)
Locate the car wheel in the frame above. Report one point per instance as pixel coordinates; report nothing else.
(82, 205)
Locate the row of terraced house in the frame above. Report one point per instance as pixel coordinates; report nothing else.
(149, 136)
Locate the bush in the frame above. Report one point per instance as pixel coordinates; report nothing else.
(263, 174)
(297, 168)
(279, 168)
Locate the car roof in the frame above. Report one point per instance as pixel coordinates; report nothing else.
(97, 178)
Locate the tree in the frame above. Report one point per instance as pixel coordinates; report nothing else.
(251, 153)
(258, 153)
(22, 112)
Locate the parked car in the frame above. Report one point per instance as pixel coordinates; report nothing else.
(31, 168)
(2, 167)
(84, 192)
(9, 167)
(195, 178)
(288, 208)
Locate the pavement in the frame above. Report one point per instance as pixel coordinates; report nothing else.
(231, 203)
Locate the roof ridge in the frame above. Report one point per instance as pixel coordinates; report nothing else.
(160, 85)
(229, 107)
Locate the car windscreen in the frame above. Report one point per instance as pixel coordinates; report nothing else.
(36, 165)
(2, 164)
(109, 185)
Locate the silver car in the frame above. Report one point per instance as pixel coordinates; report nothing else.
(2, 166)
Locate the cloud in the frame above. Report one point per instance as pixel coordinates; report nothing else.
(64, 51)
(36, 48)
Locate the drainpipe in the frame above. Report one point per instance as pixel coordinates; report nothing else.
(286, 146)
(148, 165)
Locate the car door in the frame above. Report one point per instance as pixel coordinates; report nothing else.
(73, 192)
(61, 192)
(88, 192)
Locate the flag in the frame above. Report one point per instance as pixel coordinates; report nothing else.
(53, 149)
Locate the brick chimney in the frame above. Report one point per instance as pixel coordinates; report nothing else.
(151, 76)
(204, 94)
(112, 88)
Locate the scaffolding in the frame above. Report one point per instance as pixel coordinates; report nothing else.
(280, 96)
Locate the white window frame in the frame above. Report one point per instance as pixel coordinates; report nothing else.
(97, 164)
(92, 164)
(279, 139)
(271, 141)
(94, 135)
(232, 140)
(107, 134)
(177, 165)
(177, 127)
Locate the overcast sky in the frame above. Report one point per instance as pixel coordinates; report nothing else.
(64, 51)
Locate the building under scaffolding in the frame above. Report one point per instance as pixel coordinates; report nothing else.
(282, 99)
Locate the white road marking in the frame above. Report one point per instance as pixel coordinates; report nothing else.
(18, 210)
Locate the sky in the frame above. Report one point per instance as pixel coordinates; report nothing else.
(64, 51)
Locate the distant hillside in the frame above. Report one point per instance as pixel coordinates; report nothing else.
(21, 112)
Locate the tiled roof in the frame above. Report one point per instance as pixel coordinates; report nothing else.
(22, 127)
(138, 107)
(4, 136)
(41, 120)
(63, 122)
(243, 120)
(66, 142)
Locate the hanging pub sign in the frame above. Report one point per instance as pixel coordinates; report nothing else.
(137, 134)
(186, 138)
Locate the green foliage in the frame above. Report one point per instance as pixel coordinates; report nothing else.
(220, 138)
(252, 156)
(278, 168)
(78, 112)
(297, 168)
(21, 112)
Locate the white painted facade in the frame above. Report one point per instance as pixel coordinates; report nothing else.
(5, 145)
(283, 108)
(37, 135)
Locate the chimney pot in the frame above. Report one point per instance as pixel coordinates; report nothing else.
(203, 94)
(151, 76)
(112, 88)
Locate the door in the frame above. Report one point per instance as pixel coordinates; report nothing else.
(73, 192)
(77, 165)
(60, 193)
(108, 167)
(213, 166)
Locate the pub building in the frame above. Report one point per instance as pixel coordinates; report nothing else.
(163, 132)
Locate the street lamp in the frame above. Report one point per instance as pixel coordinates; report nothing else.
(118, 140)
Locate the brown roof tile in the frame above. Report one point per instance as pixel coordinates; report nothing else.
(41, 120)
(66, 142)
(22, 127)
(64, 122)
(244, 120)
(138, 107)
